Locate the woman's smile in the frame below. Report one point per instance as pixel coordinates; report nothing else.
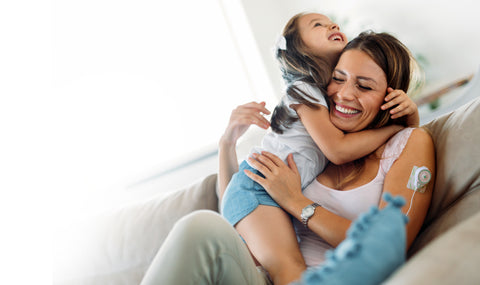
(345, 110)
(357, 90)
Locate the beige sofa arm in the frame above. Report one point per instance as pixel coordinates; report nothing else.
(117, 247)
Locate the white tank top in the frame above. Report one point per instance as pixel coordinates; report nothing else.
(348, 204)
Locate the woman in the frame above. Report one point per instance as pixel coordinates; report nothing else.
(203, 248)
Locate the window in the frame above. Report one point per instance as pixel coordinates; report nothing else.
(139, 84)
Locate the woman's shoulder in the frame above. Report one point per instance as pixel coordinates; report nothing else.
(401, 140)
(406, 135)
(398, 141)
(419, 139)
(421, 133)
(409, 140)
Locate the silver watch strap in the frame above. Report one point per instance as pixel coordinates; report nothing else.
(305, 220)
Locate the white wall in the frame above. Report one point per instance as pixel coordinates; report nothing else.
(444, 32)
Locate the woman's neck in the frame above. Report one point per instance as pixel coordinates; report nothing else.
(333, 174)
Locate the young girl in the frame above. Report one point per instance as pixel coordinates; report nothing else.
(307, 53)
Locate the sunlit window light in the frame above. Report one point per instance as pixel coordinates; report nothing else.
(140, 86)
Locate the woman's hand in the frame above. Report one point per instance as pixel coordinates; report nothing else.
(240, 120)
(404, 106)
(242, 117)
(281, 181)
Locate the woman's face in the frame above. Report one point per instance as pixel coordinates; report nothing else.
(321, 36)
(357, 90)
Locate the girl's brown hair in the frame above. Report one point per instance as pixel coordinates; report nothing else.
(296, 64)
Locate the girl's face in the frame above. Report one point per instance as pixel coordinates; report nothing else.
(321, 36)
(357, 90)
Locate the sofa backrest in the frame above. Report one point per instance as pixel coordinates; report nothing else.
(456, 197)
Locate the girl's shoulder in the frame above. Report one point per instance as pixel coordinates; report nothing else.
(307, 87)
(314, 94)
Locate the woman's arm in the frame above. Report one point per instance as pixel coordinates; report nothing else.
(419, 151)
(337, 146)
(240, 120)
(282, 182)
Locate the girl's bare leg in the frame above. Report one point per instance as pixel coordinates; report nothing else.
(271, 238)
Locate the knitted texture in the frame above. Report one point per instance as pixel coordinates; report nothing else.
(375, 246)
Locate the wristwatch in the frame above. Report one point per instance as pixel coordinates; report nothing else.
(308, 212)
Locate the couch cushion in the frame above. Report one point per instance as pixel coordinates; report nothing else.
(456, 137)
(451, 259)
(117, 247)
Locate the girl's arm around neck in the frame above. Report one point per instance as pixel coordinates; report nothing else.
(400, 104)
(338, 147)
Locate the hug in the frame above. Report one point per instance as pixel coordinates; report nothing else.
(345, 187)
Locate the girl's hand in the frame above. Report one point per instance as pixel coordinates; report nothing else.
(242, 117)
(404, 106)
(281, 181)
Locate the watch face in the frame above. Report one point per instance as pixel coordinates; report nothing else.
(308, 211)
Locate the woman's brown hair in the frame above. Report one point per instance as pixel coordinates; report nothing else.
(394, 58)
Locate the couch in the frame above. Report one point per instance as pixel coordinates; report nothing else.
(118, 246)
